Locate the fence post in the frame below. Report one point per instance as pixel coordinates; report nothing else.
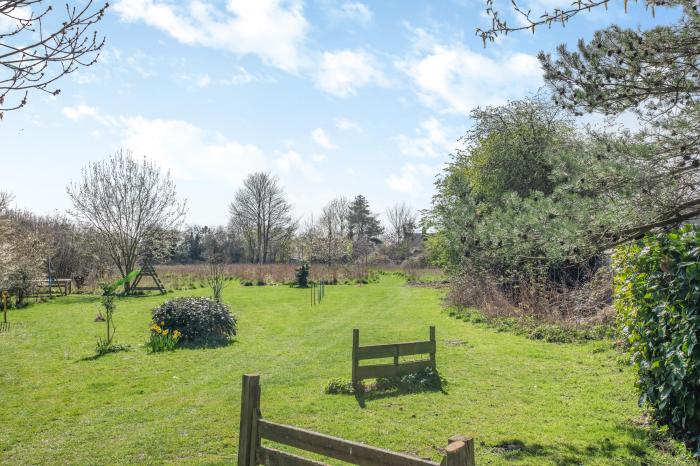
(250, 404)
(432, 353)
(355, 345)
(467, 455)
(396, 357)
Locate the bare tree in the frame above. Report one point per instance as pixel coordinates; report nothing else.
(128, 202)
(402, 221)
(216, 278)
(333, 223)
(262, 215)
(39, 47)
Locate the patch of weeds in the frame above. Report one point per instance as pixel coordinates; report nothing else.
(428, 379)
(339, 387)
(425, 380)
(534, 329)
(246, 283)
(103, 347)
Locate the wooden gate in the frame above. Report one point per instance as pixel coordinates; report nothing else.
(254, 429)
(392, 350)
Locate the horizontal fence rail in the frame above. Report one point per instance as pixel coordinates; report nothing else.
(254, 429)
(393, 350)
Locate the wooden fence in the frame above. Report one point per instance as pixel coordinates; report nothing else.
(254, 429)
(393, 350)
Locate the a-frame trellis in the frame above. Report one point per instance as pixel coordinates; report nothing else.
(147, 270)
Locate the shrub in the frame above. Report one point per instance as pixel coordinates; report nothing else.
(302, 275)
(200, 320)
(427, 379)
(339, 387)
(657, 295)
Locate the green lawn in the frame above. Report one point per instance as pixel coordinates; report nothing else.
(525, 402)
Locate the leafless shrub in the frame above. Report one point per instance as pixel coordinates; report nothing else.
(217, 279)
(586, 303)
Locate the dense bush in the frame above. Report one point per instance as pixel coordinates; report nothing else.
(657, 295)
(302, 275)
(201, 320)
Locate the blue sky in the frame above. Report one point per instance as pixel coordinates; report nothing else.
(336, 98)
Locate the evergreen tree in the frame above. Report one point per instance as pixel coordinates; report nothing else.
(362, 222)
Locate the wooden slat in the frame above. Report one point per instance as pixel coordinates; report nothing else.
(390, 370)
(388, 351)
(272, 457)
(333, 447)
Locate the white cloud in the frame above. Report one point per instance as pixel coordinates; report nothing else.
(192, 153)
(274, 30)
(341, 73)
(354, 11)
(86, 111)
(321, 138)
(456, 79)
(431, 141)
(242, 76)
(203, 81)
(80, 111)
(187, 152)
(345, 124)
(412, 179)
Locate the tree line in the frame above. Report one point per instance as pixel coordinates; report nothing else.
(126, 209)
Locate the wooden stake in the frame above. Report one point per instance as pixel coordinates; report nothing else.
(250, 404)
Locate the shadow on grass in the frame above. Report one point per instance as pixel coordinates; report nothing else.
(110, 350)
(637, 448)
(209, 344)
(371, 393)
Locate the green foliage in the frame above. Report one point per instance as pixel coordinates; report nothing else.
(103, 344)
(109, 289)
(427, 379)
(652, 73)
(362, 223)
(657, 295)
(199, 320)
(339, 387)
(523, 201)
(302, 275)
(162, 339)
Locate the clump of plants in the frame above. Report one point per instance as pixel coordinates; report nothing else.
(109, 293)
(163, 339)
(198, 320)
(339, 387)
(302, 275)
(427, 379)
(657, 296)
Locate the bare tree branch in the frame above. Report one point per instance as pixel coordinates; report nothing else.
(37, 50)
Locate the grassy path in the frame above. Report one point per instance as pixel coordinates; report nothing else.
(524, 401)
